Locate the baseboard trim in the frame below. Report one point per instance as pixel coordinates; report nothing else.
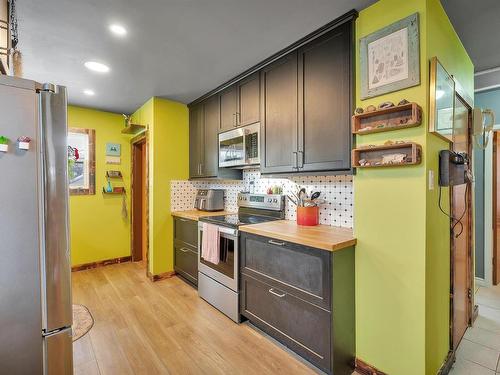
(448, 363)
(366, 369)
(475, 313)
(161, 276)
(102, 263)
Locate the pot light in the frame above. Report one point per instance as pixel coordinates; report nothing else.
(96, 67)
(89, 92)
(118, 29)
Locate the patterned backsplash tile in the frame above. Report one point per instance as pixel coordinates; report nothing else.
(336, 190)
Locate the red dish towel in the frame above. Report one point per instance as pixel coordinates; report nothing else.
(210, 250)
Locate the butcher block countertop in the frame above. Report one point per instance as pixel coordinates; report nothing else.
(323, 237)
(195, 214)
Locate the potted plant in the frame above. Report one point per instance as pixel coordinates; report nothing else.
(4, 143)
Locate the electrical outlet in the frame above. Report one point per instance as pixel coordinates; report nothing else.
(431, 179)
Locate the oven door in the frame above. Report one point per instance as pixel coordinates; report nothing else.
(226, 272)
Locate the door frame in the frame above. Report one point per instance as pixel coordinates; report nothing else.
(141, 138)
(495, 259)
(470, 252)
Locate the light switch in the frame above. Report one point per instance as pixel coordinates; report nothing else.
(431, 179)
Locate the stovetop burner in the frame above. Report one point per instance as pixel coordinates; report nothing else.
(235, 220)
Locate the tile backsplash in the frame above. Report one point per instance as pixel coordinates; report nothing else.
(336, 190)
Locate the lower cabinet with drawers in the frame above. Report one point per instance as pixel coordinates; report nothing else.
(301, 296)
(186, 249)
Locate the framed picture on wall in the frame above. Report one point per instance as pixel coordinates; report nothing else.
(390, 58)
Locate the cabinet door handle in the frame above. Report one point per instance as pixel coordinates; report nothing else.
(272, 242)
(201, 168)
(184, 250)
(276, 294)
(295, 160)
(184, 220)
(301, 159)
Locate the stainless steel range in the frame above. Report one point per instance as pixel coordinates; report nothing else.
(218, 283)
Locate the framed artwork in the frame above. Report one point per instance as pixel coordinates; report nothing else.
(113, 149)
(81, 161)
(441, 101)
(390, 58)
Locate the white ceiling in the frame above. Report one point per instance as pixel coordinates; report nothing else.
(477, 23)
(177, 49)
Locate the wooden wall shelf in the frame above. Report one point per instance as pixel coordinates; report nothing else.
(374, 155)
(133, 129)
(114, 174)
(393, 118)
(114, 192)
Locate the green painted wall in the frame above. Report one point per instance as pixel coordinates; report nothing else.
(402, 256)
(168, 136)
(98, 231)
(443, 42)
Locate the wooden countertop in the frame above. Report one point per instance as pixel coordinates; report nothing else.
(195, 214)
(323, 237)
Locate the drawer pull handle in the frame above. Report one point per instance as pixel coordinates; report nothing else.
(184, 250)
(276, 294)
(184, 220)
(272, 242)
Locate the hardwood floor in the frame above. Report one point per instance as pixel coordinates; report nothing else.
(143, 327)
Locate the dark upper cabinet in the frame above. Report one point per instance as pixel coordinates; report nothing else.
(196, 130)
(204, 120)
(325, 102)
(279, 115)
(228, 108)
(240, 104)
(210, 163)
(248, 95)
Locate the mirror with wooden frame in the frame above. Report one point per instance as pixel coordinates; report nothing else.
(81, 161)
(441, 102)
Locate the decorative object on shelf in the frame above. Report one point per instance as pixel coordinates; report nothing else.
(24, 142)
(385, 105)
(131, 128)
(390, 58)
(390, 118)
(109, 188)
(114, 174)
(358, 111)
(370, 108)
(113, 149)
(403, 102)
(4, 143)
(441, 101)
(81, 161)
(117, 190)
(388, 155)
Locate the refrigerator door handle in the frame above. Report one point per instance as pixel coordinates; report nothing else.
(55, 254)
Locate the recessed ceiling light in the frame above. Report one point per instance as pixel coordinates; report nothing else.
(96, 67)
(88, 92)
(118, 29)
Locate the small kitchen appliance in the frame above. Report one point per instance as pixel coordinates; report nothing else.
(218, 283)
(239, 148)
(209, 200)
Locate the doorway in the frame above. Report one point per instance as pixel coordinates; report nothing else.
(140, 200)
(461, 234)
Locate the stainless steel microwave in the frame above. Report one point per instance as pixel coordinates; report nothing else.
(239, 148)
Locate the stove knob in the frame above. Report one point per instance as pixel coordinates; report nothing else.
(269, 200)
(275, 200)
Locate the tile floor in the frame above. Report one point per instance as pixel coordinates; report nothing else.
(479, 351)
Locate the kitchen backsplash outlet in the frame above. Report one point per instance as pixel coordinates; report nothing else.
(336, 190)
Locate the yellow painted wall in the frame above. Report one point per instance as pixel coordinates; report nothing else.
(98, 231)
(168, 136)
(402, 255)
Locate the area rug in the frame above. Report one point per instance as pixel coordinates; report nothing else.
(82, 321)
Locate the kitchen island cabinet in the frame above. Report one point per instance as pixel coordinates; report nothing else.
(302, 296)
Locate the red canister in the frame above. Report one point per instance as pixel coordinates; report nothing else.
(308, 216)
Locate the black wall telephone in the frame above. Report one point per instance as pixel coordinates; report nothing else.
(452, 169)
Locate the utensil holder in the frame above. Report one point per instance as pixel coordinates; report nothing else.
(308, 216)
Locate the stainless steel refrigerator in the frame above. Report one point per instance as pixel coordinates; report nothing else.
(35, 270)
